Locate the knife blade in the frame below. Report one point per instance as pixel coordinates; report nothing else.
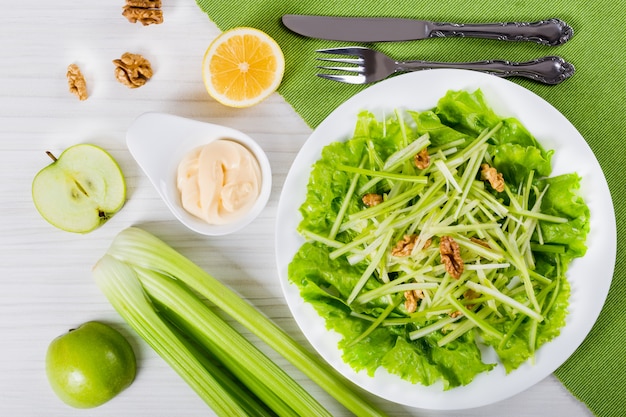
(382, 29)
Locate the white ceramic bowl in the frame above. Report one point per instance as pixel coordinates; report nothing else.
(159, 141)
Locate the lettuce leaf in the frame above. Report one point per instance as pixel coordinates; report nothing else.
(439, 134)
(466, 112)
(515, 162)
(563, 199)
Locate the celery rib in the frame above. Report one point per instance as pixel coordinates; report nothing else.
(261, 374)
(344, 205)
(375, 323)
(252, 404)
(138, 247)
(484, 326)
(121, 286)
(504, 299)
(421, 179)
(424, 331)
(399, 157)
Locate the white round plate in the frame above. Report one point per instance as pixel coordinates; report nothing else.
(589, 276)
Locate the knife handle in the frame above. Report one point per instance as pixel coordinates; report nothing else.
(548, 69)
(550, 32)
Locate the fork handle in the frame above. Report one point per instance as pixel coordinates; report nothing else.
(548, 70)
(550, 32)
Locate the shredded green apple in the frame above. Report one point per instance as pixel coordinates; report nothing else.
(429, 231)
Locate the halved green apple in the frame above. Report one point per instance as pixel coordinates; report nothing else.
(80, 190)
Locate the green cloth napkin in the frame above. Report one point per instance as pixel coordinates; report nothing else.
(594, 100)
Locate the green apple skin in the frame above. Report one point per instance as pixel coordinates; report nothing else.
(80, 190)
(88, 366)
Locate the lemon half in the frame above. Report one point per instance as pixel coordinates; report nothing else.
(242, 67)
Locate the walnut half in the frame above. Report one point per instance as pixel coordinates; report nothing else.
(451, 256)
(492, 175)
(132, 70)
(405, 246)
(422, 159)
(147, 12)
(76, 82)
(372, 199)
(145, 4)
(411, 298)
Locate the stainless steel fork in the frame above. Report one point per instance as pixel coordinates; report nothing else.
(371, 66)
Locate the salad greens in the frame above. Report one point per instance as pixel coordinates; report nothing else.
(417, 261)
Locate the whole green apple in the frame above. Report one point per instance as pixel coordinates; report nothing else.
(90, 365)
(80, 190)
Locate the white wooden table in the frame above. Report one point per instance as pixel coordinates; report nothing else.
(46, 286)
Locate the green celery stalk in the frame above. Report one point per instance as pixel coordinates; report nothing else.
(400, 156)
(375, 323)
(376, 258)
(505, 300)
(387, 205)
(393, 287)
(322, 239)
(484, 326)
(469, 174)
(140, 248)
(344, 205)
(262, 376)
(424, 331)
(539, 216)
(422, 179)
(251, 404)
(463, 328)
(552, 248)
(348, 247)
(448, 175)
(120, 284)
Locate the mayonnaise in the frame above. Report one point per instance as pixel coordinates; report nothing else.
(219, 182)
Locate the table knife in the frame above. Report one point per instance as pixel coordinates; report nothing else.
(373, 29)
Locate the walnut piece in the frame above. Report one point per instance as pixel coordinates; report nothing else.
(480, 242)
(451, 256)
(147, 12)
(411, 298)
(144, 4)
(76, 82)
(405, 246)
(144, 16)
(371, 199)
(470, 294)
(490, 174)
(132, 70)
(422, 159)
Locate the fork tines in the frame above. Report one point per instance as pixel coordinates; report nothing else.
(354, 65)
(347, 79)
